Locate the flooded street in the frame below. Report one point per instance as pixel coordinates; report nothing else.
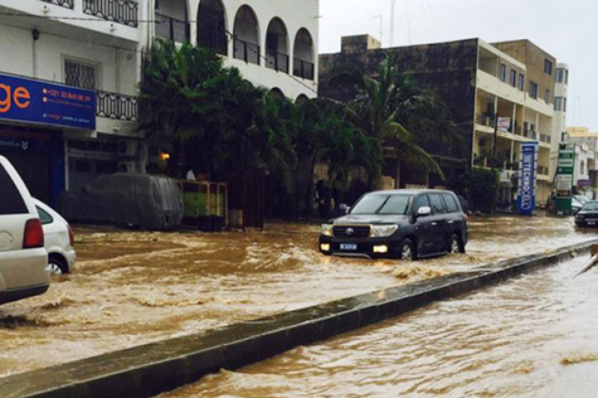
(532, 336)
(131, 288)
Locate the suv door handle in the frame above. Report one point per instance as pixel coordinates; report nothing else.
(451, 221)
(434, 224)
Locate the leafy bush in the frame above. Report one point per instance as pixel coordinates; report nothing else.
(480, 187)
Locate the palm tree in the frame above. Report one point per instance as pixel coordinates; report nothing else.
(391, 109)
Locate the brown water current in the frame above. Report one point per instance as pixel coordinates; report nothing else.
(132, 287)
(533, 336)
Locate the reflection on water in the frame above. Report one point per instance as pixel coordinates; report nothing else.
(131, 288)
(519, 339)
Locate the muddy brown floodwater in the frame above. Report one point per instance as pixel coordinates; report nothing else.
(131, 288)
(533, 336)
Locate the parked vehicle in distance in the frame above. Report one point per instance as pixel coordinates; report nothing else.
(576, 204)
(59, 239)
(23, 258)
(128, 200)
(588, 215)
(405, 224)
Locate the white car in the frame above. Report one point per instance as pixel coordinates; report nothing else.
(59, 239)
(23, 258)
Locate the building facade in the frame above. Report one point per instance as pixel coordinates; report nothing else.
(97, 46)
(512, 84)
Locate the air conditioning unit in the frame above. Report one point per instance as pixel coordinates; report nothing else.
(126, 167)
(126, 148)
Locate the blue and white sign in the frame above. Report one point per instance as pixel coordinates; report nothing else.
(526, 200)
(34, 101)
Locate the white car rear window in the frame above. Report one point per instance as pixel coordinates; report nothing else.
(11, 201)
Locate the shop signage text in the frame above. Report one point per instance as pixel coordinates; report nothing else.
(526, 202)
(33, 101)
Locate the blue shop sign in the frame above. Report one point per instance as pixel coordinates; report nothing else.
(34, 101)
(526, 201)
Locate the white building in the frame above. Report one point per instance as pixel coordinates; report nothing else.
(560, 113)
(96, 45)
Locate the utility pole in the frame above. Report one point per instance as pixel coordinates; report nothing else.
(392, 21)
(381, 28)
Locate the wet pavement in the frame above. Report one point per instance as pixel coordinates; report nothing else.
(533, 336)
(131, 288)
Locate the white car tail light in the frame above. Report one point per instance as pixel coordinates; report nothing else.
(34, 234)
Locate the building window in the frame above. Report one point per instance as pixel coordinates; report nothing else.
(566, 76)
(558, 104)
(548, 67)
(565, 104)
(503, 73)
(80, 74)
(513, 78)
(547, 96)
(533, 90)
(521, 82)
(560, 75)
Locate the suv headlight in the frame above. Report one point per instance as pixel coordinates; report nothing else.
(327, 230)
(382, 231)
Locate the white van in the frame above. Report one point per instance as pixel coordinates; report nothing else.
(23, 258)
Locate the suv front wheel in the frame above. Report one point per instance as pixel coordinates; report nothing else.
(407, 252)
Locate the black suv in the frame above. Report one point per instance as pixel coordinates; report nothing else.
(405, 224)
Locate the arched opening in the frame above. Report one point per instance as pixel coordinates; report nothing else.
(277, 48)
(303, 55)
(172, 21)
(211, 26)
(301, 99)
(276, 92)
(246, 33)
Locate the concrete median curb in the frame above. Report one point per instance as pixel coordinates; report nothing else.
(150, 369)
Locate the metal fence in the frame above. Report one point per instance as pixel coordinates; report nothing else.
(62, 3)
(120, 11)
(117, 106)
(172, 29)
(303, 69)
(278, 61)
(248, 52)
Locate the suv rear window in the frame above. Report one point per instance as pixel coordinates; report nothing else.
(11, 201)
(451, 205)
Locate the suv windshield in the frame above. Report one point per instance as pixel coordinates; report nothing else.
(591, 206)
(383, 204)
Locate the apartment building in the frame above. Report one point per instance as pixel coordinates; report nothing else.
(83, 57)
(585, 166)
(507, 85)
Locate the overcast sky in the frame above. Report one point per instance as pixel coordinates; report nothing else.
(565, 29)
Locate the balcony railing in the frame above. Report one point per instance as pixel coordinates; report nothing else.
(120, 11)
(543, 170)
(545, 138)
(172, 29)
(278, 62)
(117, 106)
(248, 52)
(303, 69)
(62, 3)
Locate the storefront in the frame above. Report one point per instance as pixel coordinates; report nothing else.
(38, 156)
(34, 118)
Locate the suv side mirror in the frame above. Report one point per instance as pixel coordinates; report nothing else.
(424, 211)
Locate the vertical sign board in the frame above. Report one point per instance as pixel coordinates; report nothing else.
(564, 177)
(526, 198)
(34, 101)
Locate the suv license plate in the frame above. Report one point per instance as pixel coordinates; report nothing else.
(349, 246)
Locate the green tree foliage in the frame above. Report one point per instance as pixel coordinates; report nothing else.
(480, 187)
